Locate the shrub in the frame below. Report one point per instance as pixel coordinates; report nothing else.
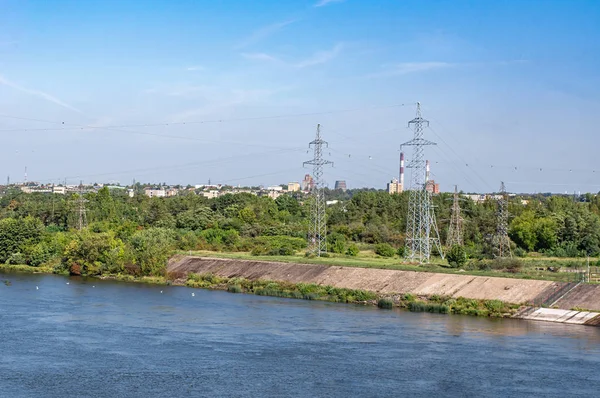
(401, 252)
(352, 250)
(384, 250)
(337, 243)
(16, 259)
(457, 256)
(385, 303)
(234, 289)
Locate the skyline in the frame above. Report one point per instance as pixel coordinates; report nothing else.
(507, 99)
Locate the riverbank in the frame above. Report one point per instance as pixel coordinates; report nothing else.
(416, 291)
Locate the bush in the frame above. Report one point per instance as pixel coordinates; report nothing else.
(234, 289)
(352, 250)
(16, 259)
(420, 306)
(385, 303)
(457, 256)
(384, 250)
(336, 243)
(401, 252)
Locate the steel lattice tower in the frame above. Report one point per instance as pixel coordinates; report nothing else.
(455, 229)
(501, 241)
(82, 221)
(421, 229)
(318, 224)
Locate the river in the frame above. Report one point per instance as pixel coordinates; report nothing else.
(71, 337)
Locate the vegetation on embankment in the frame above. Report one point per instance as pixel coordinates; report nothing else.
(309, 291)
(533, 268)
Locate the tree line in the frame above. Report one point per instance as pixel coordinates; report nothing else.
(137, 235)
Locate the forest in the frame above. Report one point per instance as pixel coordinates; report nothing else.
(137, 235)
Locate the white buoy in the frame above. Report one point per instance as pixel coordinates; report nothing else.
(161, 292)
(193, 294)
(67, 283)
(37, 288)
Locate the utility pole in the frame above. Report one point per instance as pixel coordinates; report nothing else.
(455, 230)
(318, 224)
(82, 222)
(421, 229)
(501, 240)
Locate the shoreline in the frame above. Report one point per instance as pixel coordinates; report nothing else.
(307, 291)
(310, 291)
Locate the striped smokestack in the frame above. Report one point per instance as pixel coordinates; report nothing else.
(427, 171)
(402, 169)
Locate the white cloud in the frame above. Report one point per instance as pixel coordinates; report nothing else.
(322, 3)
(263, 33)
(260, 57)
(194, 68)
(37, 93)
(317, 58)
(320, 57)
(412, 67)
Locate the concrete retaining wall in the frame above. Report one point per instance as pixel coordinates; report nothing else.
(516, 291)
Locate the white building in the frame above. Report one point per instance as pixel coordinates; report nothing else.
(155, 193)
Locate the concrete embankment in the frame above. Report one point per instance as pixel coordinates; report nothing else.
(582, 296)
(564, 316)
(509, 290)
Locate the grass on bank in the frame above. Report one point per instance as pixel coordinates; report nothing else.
(309, 291)
(530, 268)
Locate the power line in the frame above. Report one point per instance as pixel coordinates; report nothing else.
(242, 119)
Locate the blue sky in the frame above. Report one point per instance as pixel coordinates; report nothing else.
(510, 88)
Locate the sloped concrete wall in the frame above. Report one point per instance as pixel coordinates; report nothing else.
(509, 290)
(583, 296)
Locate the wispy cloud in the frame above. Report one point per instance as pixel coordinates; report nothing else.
(260, 57)
(323, 3)
(194, 68)
(37, 93)
(263, 33)
(413, 67)
(320, 57)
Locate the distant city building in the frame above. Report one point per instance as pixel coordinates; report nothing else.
(59, 190)
(307, 183)
(275, 188)
(293, 187)
(432, 187)
(341, 184)
(155, 193)
(394, 187)
(211, 194)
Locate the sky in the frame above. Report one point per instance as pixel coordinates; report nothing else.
(232, 91)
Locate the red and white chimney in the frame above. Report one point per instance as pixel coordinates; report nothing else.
(427, 171)
(402, 170)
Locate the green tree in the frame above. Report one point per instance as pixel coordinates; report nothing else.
(457, 256)
(17, 234)
(151, 249)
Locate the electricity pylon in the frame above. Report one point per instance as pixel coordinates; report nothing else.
(317, 232)
(82, 221)
(421, 229)
(501, 241)
(455, 229)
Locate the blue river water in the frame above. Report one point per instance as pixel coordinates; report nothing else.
(71, 337)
